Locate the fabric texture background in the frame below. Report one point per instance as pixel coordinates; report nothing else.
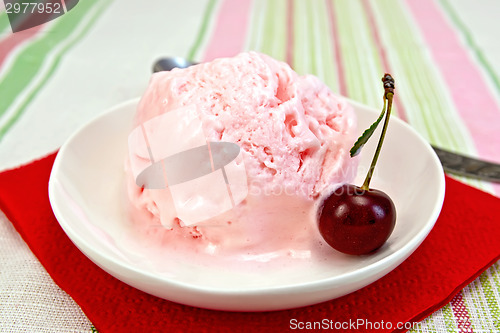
(54, 78)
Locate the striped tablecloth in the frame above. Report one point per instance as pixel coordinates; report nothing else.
(444, 54)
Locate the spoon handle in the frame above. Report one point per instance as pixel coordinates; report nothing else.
(467, 166)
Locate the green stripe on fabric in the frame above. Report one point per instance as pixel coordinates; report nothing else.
(310, 36)
(209, 10)
(323, 46)
(274, 30)
(4, 24)
(39, 51)
(254, 31)
(449, 319)
(280, 30)
(301, 41)
(268, 29)
(495, 273)
(426, 325)
(469, 299)
(430, 325)
(452, 14)
(361, 61)
(428, 104)
(265, 29)
(493, 306)
(313, 47)
(414, 73)
(479, 307)
(30, 61)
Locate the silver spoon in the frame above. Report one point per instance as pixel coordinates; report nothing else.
(452, 162)
(167, 64)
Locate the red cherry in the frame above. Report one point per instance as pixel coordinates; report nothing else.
(357, 221)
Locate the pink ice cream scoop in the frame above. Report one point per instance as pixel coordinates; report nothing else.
(293, 135)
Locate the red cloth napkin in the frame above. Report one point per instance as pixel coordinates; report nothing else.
(464, 242)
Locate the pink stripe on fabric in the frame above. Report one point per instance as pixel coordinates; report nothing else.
(383, 55)
(338, 54)
(461, 314)
(470, 93)
(10, 42)
(230, 31)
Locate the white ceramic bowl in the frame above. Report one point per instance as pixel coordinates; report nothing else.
(85, 191)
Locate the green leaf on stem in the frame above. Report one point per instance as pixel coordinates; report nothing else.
(356, 148)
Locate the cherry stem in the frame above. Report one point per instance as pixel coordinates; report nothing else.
(389, 93)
